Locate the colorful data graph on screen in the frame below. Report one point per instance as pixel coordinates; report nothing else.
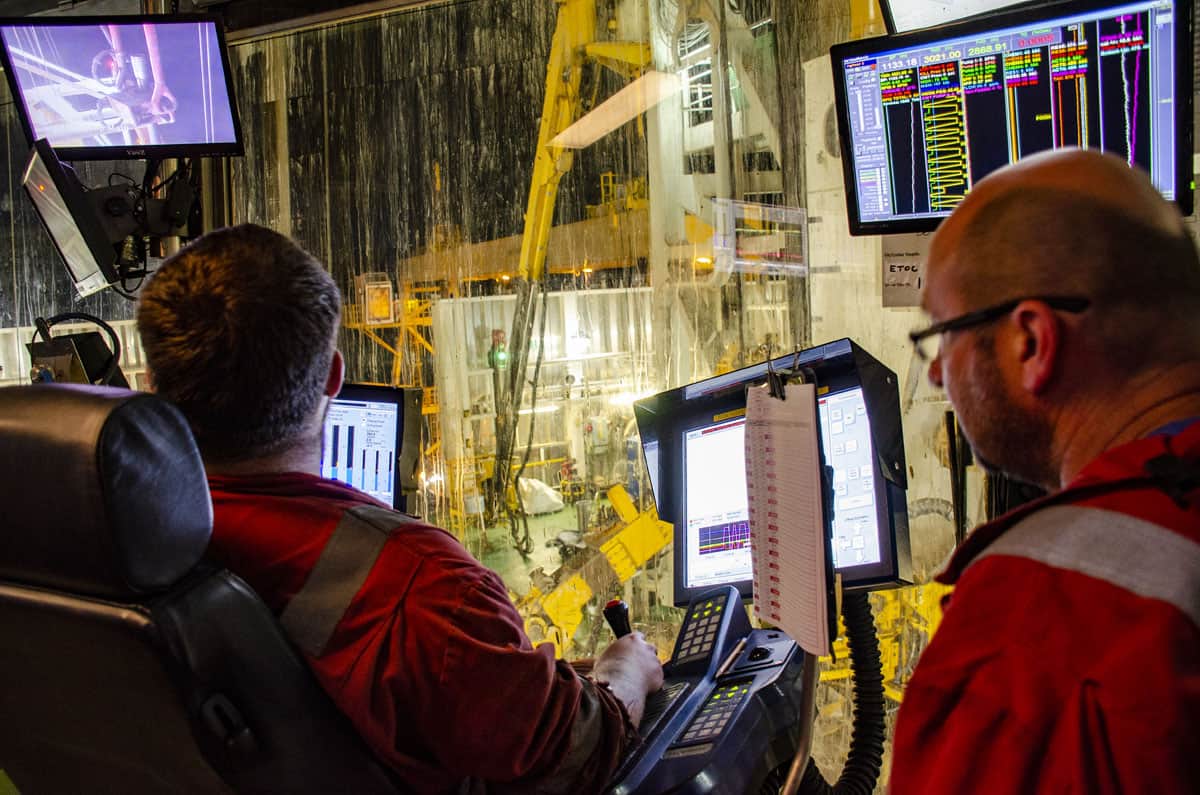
(722, 537)
(945, 134)
(930, 119)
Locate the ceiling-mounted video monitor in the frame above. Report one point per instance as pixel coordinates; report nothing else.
(122, 87)
(925, 115)
(901, 16)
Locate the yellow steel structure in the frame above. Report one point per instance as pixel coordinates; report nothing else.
(412, 328)
(626, 58)
(622, 554)
(412, 334)
(577, 41)
(574, 43)
(905, 620)
(574, 31)
(564, 607)
(866, 19)
(643, 537)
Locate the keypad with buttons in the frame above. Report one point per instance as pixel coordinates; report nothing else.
(716, 713)
(700, 630)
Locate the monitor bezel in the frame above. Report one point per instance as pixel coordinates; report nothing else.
(840, 366)
(889, 19)
(81, 210)
(839, 53)
(122, 152)
(393, 395)
(704, 416)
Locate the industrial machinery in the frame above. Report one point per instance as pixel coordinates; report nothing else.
(556, 613)
(77, 358)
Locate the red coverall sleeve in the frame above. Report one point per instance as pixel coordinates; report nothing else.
(1129, 723)
(492, 706)
(955, 734)
(1134, 726)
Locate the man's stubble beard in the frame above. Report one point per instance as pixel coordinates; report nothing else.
(1004, 436)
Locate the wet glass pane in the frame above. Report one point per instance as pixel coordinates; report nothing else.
(674, 211)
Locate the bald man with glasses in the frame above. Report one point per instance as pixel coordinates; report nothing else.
(1064, 296)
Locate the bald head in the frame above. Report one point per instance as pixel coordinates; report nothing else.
(1081, 223)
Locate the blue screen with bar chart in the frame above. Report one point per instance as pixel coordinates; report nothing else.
(926, 115)
(361, 444)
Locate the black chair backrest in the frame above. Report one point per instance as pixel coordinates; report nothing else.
(126, 663)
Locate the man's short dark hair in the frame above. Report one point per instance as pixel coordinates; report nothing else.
(239, 330)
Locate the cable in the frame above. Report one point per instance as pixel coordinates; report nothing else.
(43, 327)
(865, 758)
(152, 164)
(124, 290)
(525, 544)
(184, 169)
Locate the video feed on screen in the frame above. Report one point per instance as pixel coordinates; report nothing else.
(121, 85)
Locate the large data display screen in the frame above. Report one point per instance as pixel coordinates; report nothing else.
(122, 87)
(926, 115)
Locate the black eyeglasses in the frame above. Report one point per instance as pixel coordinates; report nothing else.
(919, 339)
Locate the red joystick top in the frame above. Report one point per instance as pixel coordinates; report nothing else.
(616, 613)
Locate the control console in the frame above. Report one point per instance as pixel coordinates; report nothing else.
(728, 717)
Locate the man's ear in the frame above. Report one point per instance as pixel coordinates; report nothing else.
(337, 374)
(1040, 336)
(147, 381)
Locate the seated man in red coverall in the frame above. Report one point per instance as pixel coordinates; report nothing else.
(427, 656)
(1065, 293)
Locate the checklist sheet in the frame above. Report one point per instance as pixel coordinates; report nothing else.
(787, 527)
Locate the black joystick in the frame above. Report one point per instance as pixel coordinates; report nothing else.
(616, 613)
